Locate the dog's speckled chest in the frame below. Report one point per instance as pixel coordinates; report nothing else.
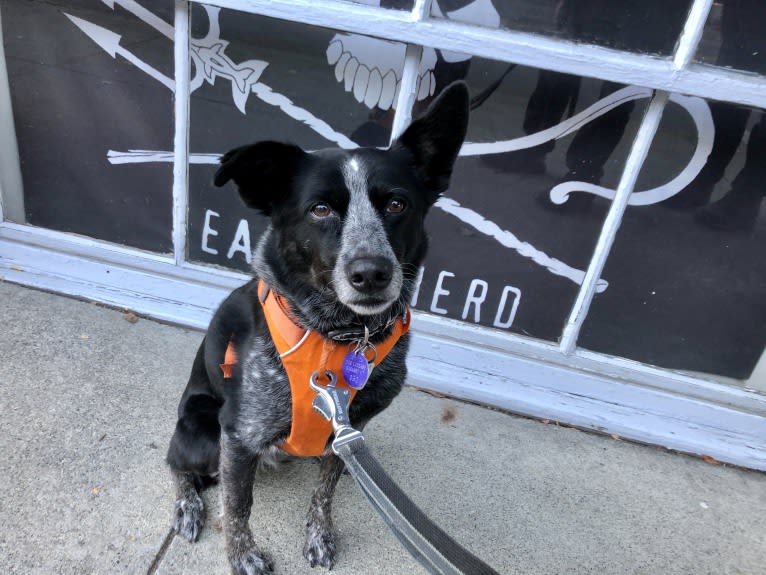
(264, 410)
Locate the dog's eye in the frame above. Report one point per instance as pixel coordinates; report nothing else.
(321, 210)
(396, 206)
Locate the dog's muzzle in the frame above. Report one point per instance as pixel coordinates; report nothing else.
(368, 284)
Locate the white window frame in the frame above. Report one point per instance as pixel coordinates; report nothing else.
(558, 381)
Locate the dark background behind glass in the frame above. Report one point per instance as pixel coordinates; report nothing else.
(686, 276)
(646, 26)
(72, 103)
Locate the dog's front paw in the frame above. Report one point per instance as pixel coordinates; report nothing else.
(189, 516)
(320, 546)
(250, 561)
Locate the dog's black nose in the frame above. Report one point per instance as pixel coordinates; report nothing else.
(369, 274)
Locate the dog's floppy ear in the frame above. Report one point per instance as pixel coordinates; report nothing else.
(434, 139)
(262, 171)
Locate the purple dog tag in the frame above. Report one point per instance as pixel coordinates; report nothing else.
(356, 370)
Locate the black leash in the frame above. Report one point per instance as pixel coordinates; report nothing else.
(426, 541)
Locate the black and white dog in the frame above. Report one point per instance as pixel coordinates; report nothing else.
(343, 249)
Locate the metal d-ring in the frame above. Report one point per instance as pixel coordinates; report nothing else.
(363, 351)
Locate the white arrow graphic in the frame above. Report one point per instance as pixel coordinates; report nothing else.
(110, 42)
(148, 156)
(146, 15)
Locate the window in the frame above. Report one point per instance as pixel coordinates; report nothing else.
(605, 216)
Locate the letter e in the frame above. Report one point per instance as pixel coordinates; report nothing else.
(439, 291)
(207, 231)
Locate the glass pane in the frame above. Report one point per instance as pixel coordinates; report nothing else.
(89, 84)
(734, 36)
(687, 274)
(647, 26)
(256, 78)
(503, 254)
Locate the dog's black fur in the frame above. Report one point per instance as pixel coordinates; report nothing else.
(344, 246)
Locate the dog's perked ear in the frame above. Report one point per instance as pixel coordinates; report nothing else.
(262, 172)
(434, 139)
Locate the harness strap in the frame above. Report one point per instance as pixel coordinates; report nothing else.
(229, 361)
(302, 353)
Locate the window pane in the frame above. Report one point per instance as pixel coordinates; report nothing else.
(256, 78)
(88, 82)
(647, 26)
(687, 273)
(502, 253)
(734, 36)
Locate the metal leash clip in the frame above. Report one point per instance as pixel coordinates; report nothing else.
(332, 403)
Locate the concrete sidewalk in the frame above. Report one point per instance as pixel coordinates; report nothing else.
(88, 404)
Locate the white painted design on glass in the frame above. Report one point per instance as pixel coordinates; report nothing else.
(369, 68)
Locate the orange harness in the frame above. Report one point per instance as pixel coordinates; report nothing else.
(302, 353)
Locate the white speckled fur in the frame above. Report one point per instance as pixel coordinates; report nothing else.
(363, 235)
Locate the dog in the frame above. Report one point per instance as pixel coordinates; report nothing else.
(341, 255)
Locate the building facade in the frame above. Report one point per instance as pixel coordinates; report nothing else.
(597, 259)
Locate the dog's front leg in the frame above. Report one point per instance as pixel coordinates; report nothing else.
(189, 510)
(320, 536)
(238, 465)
